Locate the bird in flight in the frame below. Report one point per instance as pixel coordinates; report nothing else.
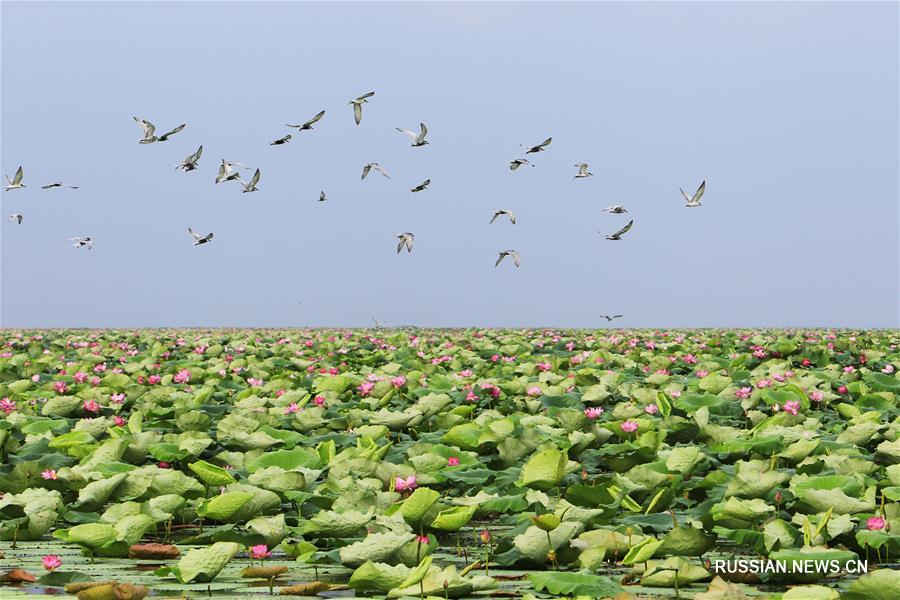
(610, 317)
(618, 235)
(308, 124)
(227, 173)
(357, 106)
(322, 196)
(406, 239)
(16, 217)
(78, 242)
(418, 139)
(375, 166)
(16, 182)
(378, 324)
(515, 164)
(501, 212)
(504, 254)
(58, 184)
(582, 171)
(281, 141)
(150, 129)
(251, 185)
(421, 186)
(199, 239)
(190, 162)
(694, 200)
(615, 210)
(539, 147)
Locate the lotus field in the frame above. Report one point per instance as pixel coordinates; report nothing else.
(449, 463)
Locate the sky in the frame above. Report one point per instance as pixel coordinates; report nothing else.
(789, 112)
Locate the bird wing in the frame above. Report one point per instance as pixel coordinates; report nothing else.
(686, 197)
(322, 196)
(421, 137)
(315, 118)
(515, 256)
(497, 213)
(255, 179)
(513, 165)
(357, 112)
(582, 168)
(699, 193)
(381, 170)
(616, 316)
(425, 184)
(500, 259)
(173, 132)
(208, 237)
(194, 234)
(364, 96)
(512, 216)
(148, 127)
(407, 132)
(545, 142)
(198, 154)
(221, 174)
(366, 170)
(17, 178)
(402, 242)
(624, 230)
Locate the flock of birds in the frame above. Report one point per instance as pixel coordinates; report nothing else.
(228, 171)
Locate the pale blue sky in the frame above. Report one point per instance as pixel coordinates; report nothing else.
(788, 110)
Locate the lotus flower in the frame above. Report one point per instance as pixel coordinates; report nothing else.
(260, 551)
(51, 562)
(593, 412)
(398, 381)
(875, 523)
(291, 408)
(792, 406)
(453, 461)
(7, 406)
(119, 421)
(91, 406)
(533, 391)
(816, 395)
(629, 426)
(319, 401)
(61, 387)
(743, 392)
(651, 409)
(183, 376)
(49, 474)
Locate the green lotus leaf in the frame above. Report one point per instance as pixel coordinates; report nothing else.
(453, 519)
(286, 459)
(203, 564)
(823, 500)
(672, 572)
(544, 470)
(534, 545)
(810, 592)
(328, 523)
(91, 535)
(71, 439)
(224, 506)
(131, 528)
(417, 574)
(272, 529)
(418, 504)
(740, 514)
(211, 474)
(686, 541)
(376, 547)
(575, 584)
(881, 584)
(377, 577)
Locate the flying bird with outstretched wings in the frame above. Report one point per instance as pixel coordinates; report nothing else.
(418, 139)
(610, 317)
(539, 148)
(406, 239)
(16, 182)
(199, 238)
(16, 217)
(377, 167)
(504, 254)
(78, 242)
(515, 164)
(227, 172)
(618, 209)
(582, 171)
(618, 235)
(694, 200)
(421, 186)
(357, 106)
(309, 124)
(150, 129)
(503, 211)
(191, 162)
(250, 186)
(281, 141)
(58, 184)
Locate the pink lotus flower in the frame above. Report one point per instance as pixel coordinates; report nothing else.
(398, 381)
(291, 408)
(99, 368)
(701, 373)
(117, 398)
(760, 353)
(465, 373)
(163, 464)
(94, 381)
(401, 484)
(154, 379)
(742, 393)
(453, 461)
(875, 523)
(51, 562)
(533, 391)
(544, 366)
(792, 406)
(778, 377)
(593, 412)
(36, 378)
(816, 395)
(7, 406)
(675, 394)
(888, 369)
(842, 389)
(91, 406)
(319, 400)
(849, 369)
(763, 383)
(651, 409)
(49, 474)
(365, 387)
(629, 426)
(260, 551)
(182, 376)
(690, 359)
(120, 421)
(422, 539)
(80, 377)
(254, 382)
(61, 387)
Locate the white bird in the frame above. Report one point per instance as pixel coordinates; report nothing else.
(198, 238)
(78, 242)
(504, 254)
(375, 166)
(227, 173)
(251, 185)
(16, 182)
(694, 200)
(418, 139)
(357, 106)
(378, 324)
(501, 212)
(406, 239)
(618, 209)
(421, 186)
(538, 148)
(515, 164)
(58, 184)
(610, 317)
(322, 196)
(150, 129)
(618, 235)
(308, 124)
(190, 162)
(281, 141)
(16, 217)
(582, 171)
